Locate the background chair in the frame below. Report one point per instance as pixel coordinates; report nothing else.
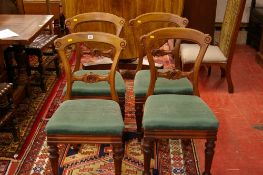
(100, 90)
(105, 21)
(151, 21)
(87, 120)
(171, 116)
(222, 54)
(147, 22)
(7, 110)
(41, 53)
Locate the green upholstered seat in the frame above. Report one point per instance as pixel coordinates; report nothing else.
(162, 85)
(183, 112)
(87, 116)
(80, 88)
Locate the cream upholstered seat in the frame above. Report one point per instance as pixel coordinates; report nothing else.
(212, 55)
(223, 53)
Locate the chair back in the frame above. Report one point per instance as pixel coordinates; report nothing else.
(148, 22)
(73, 22)
(114, 42)
(230, 26)
(104, 20)
(184, 34)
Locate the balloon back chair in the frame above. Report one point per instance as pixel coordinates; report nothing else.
(83, 121)
(148, 22)
(96, 21)
(142, 25)
(87, 22)
(172, 116)
(222, 54)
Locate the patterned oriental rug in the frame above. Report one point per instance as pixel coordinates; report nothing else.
(26, 118)
(174, 156)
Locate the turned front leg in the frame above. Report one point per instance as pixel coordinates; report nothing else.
(147, 154)
(209, 153)
(138, 115)
(118, 154)
(53, 157)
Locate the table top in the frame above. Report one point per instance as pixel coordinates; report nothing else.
(27, 27)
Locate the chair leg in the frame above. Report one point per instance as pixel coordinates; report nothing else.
(122, 106)
(147, 154)
(41, 71)
(118, 154)
(209, 153)
(209, 70)
(56, 62)
(53, 157)
(138, 115)
(229, 80)
(223, 72)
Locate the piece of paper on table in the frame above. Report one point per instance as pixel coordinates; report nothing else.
(6, 33)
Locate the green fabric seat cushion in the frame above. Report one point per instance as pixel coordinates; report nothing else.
(183, 112)
(80, 88)
(162, 85)
(87, 116)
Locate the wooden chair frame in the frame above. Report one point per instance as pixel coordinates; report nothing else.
(228, 38)
(117, 141)
(150, 136)
(137, 24)
(72, 24)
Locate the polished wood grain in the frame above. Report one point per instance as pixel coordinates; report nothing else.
(30, 7)
(28, 27)
(151, 135)
(128, 9)
(201, 15)
(116, 140)
(140, 26)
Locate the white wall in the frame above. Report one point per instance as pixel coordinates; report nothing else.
(221, 5)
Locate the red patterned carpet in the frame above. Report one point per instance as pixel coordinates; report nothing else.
(175, 157)
(239, 145)
(27, 116)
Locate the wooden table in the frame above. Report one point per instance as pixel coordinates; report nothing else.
(28, 27)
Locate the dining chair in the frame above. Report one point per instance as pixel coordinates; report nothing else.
(147, 22)
(8, 110)
(113, 24)
(105, 22)
(221, 55)
(41, 55)
(82, 121)
(173, 116)
(142, 25)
